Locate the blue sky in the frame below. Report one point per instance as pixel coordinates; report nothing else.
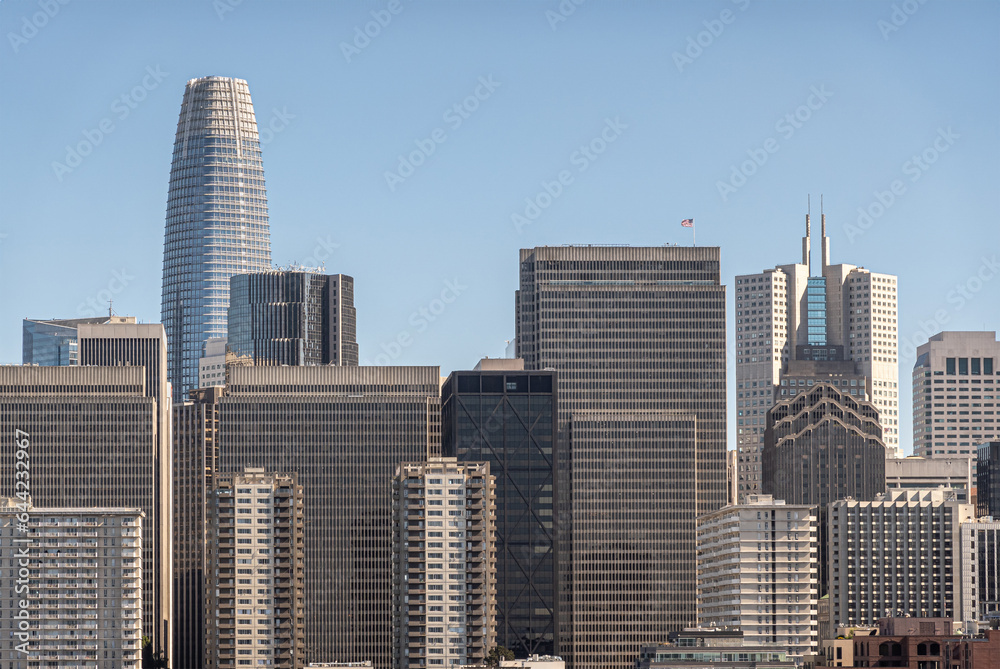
(689, 92)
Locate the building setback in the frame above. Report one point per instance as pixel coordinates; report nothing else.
(444, 563)
(896, 554)
(763, 546)
(924, 474)
(216, 223)
(956, 382)
(784, 315)
(342, 431)
(637, 337)
(507, 417)
(94, 443)
(84, 597)
(291, 317)
(255, 604)
(823, 445)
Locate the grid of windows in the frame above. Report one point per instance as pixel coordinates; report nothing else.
(216, 223)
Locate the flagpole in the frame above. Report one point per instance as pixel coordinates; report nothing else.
(694, 235)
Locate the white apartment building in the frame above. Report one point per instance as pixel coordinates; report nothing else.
(255, 612)
(757, 571)
(895, 556)
(444, 563)
(956, 383)
(785, 314)
(82, 596)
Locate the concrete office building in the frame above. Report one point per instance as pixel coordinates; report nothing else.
(342, 431)
(895, 554)
(988, 479)
(145, 346)
(956, 383)
(195, 458)
(843, 314)
(637, 338)
(212, 364)
(916, 473)
(505, 416)
(255, 571)
(216, 223)
(444, 563)
(96, 442)
(54, 342)
(84, 596)
(757, 572)
(823, 445)
(980, 562)
(293, 317)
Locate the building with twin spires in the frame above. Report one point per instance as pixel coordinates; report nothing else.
(843, 314)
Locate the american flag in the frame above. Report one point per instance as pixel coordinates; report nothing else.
(688, 223)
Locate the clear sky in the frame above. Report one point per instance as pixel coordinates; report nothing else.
(669, 99)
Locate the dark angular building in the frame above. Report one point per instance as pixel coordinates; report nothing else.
(293, 318)
(507, 417)
(823, 445)
(342, 431)
(988, 479)
(637, 336)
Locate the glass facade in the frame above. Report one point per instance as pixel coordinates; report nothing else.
(293, 318)
(816, 310)
(216, 224)
(637, 336)
(343, 431)
(508, 419)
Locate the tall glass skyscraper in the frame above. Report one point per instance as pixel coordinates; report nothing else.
(216, 218)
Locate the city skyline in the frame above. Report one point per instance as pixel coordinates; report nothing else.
(878, 106)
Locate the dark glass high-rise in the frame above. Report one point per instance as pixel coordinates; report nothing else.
(508, 418)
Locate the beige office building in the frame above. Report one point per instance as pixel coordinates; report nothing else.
(757, 571)
(444, 563)
(956, 382)
(916, 473)
(82, 587)
(786, 314)
(897, 555)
